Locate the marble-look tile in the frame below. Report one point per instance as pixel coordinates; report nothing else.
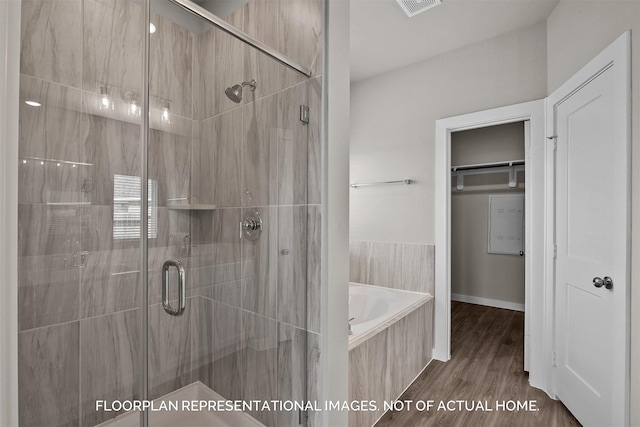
(358, 389)
(406, 350)
(109, 281)
(112, 44)
(314, 152)
(48, 376)
(50, 136)
(292, 136)
(260, 20)
(418, 269)
(51, 40)
(227, 351)
(260, 152)
(369, 357)
(292, 265)
(376, 263)
(49, 230)
(218, 266)
(292, 370)
(314, 376)
(170, 75)
(170, 165)
(357, 251)
(173, 230)
(204, 70)
(314, 263)
(260, 261)
(202, 322)
(300, 36)
(219, 164)
(48, 281)
(169, 350)
(427, 349)
(229, 70)
(47, 291)
(259, 363)
(109, 362)
(116, 150)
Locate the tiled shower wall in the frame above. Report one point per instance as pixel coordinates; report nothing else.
(244, 331)
(404, 266)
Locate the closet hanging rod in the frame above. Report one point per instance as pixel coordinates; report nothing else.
(367, 184)
(487, 165)
(240, 35)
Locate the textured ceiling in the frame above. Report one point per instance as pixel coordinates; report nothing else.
(383, 38)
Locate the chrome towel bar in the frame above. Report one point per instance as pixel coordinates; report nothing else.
(367, 184)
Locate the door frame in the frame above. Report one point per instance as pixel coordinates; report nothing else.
(538, 347)
(618, 53)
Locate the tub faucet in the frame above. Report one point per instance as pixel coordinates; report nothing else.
(349, 323)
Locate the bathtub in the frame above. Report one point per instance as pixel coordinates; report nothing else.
(374, 308)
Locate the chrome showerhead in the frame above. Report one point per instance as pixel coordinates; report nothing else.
(234, 92)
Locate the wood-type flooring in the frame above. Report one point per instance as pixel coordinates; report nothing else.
(485, 371)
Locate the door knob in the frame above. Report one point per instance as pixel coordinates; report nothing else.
(607, 282)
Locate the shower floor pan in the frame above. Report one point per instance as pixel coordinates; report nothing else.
(194, 391)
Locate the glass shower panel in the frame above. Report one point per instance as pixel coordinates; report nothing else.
(79, 206)
(233, 209)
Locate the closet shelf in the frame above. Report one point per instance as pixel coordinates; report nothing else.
(511, 166)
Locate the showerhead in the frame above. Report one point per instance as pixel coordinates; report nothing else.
(234, 92)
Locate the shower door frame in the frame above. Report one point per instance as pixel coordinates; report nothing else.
(9, 98)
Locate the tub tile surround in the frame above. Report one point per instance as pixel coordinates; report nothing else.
(383, 366)
(406, 338)
(404, 266)
(369, 377)
(214, 152)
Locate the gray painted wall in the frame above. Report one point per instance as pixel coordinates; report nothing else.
(474, 271)
(393, 126)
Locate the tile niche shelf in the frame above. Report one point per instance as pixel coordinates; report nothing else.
(191, 207)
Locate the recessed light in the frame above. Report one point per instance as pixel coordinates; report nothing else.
(152, 28)
(33, 103)
(24, 161)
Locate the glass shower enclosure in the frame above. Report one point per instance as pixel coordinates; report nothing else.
(169, 210)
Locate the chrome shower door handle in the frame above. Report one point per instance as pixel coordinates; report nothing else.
(181, 288)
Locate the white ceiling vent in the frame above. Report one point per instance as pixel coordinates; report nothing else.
(414, 7)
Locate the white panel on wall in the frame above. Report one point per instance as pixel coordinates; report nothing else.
(506, 224)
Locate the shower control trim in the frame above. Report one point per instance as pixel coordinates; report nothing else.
(251, 226)
(181, 288)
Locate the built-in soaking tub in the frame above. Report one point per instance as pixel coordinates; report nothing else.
(391, 342)
(374, 308)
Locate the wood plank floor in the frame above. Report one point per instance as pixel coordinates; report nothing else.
(486, 365)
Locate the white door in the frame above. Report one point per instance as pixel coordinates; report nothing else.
(592, 217)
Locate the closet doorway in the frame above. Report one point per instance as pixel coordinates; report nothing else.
(488, 216)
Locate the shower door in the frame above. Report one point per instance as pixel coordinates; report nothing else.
(231, 199)
(79, 210)
(232, 206)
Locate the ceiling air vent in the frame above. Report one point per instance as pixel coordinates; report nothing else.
(414, 7)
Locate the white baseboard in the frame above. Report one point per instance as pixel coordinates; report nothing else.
(488, 302)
